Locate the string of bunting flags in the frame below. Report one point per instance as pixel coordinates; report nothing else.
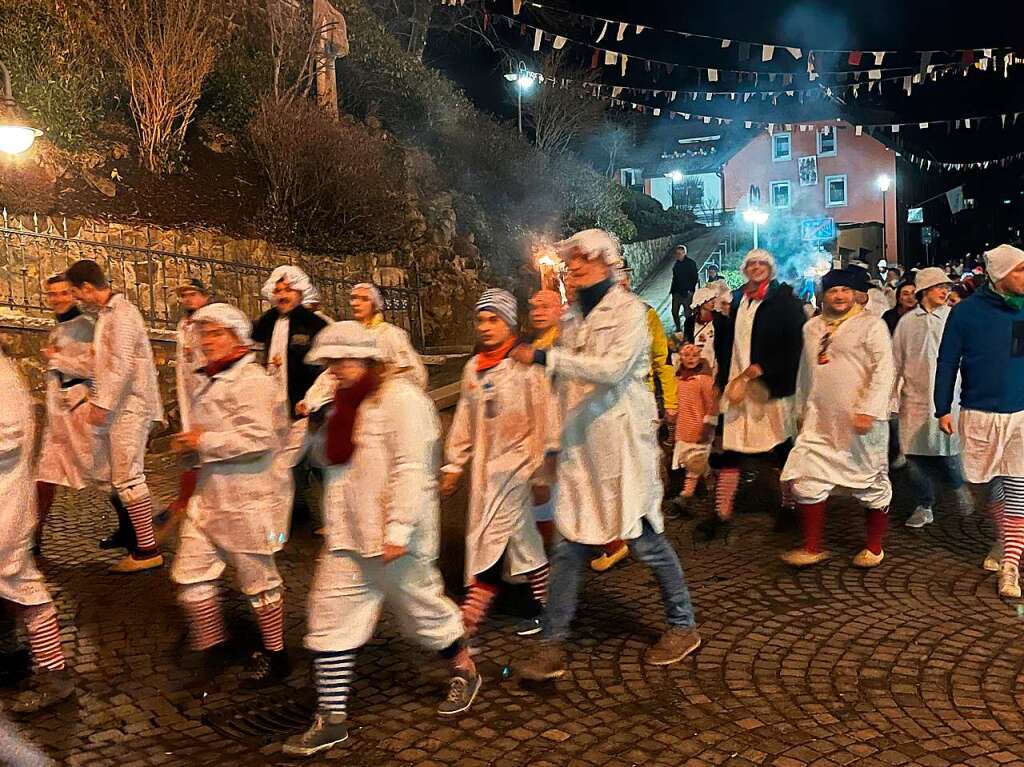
(855, 57)
(926, 164)
(855, 80)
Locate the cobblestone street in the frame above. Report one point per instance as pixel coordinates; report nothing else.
(915, 662)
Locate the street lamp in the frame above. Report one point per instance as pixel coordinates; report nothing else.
(676, 176)
(16, 132)
(884, 182)
(757, 217)
(524, 80)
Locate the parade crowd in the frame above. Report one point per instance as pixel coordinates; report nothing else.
(567, 430)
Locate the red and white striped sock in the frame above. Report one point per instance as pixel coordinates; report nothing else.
(1013, 539)
(271, 620)
(996, 506)
(44, 636)
(539, 584)
(206, 623)
(141, 515)
(690, 484)
(725, 492)
(476, 605)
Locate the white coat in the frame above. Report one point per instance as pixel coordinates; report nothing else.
(608, 451)
(238, 502)
(915, 347)
(20, 581)
(704, 339)
(857, 379)
(125, 378)
(66, 454)
(500, 426)
(189, 358)
(387, 492)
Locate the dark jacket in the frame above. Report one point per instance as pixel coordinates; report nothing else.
(776, 343)
(891, 317)
(984, 342)
(684, 277)
(303, 326)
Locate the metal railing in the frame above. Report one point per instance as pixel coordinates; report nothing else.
(31, 252)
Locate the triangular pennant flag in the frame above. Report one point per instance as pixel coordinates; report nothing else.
(747, 124)
(517, 5)
(732, 97)
(669, 67)
(708, 95)
(796, 53)
(746, 97)
(559, 42)
(879, 58)
(967, 123)
(744, 52)
(538, 36)
(621, 31)
(926, 60)
(707, 120)
(616, 90)
(767, 52)
(726, 43)
(625, 60)
(875, 74)
(787, 79)
(854, 58)
(896, 128)
(922, 125)
(656, 111)
(640, 28)
(1003, 118)
(859, 130)
(595, 59)
(987, 53)
(672, 96)
(712, 75)
(604, 30)
(771, 128)
(610, 57)
(906, 85)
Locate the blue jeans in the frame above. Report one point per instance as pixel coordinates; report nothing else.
(927, 470)
(653, 549)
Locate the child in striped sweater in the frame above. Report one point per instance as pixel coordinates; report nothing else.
(695, 418)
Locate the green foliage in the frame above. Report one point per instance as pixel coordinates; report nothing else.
(58, 77)
(240, 77)
(733, 278)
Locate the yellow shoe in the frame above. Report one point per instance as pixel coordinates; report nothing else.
(608, 561)
(132, 565)
(803, 557)
(868, 558)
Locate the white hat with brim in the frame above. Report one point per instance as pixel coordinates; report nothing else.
(703, 295)
(1002, 260)
(346, 340)
(227, 316)
(930, 278)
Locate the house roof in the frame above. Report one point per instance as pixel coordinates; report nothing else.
(704, 150)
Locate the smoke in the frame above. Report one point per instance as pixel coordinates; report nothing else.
(799, 262)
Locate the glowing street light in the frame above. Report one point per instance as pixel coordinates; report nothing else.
(884, 182)
(757, 217)
(16, 132)
(676, 176)
(524, 81)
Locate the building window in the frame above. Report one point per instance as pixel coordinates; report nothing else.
(827, 142)
(835, 191)
(782, 147)
(780, 194)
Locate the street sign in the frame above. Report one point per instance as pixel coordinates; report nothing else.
(915, 215)
(818, 229)
(928, 235)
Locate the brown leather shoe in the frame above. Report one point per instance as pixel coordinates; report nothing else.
(132, 565)
(674, 645)
(547, 663)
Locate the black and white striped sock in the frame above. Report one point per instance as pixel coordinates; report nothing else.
(334, 672)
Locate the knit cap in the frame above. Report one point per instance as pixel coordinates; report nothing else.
(502, 303)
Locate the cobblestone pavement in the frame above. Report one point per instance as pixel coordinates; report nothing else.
(915, 662)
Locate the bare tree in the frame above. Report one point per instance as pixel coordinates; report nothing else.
(165, 49)
(411, 21)
(613, 139)
(562, 109)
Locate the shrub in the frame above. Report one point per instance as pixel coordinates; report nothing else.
(335, 186)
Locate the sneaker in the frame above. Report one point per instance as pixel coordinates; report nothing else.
(608, 561)
(462, 690)
(867, 558)
(922, 516)
(548, 662)
(328, 729)
(674, 645)
(42, 690)
(994, 558)
(131, 564)
(804, 558)
(266, 669)
(528, 627)
(964, 501)
(1009, 581)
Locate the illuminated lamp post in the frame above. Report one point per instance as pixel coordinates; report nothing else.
(16, 132)
(757, 217)
(884, 182)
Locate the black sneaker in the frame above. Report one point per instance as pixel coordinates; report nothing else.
(42, 690)
(528, 627)
(462, 690)
(327, 730)
(266, 669)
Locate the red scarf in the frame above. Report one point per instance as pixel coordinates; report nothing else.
(343, 417)
(756, 292)
(214, 367)
(489, 358)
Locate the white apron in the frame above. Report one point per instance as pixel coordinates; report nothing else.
(66, 457)
(993, 445)
(189, 359)
(753, 425)
(500, 429)
(857, 379)
(915, 347)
